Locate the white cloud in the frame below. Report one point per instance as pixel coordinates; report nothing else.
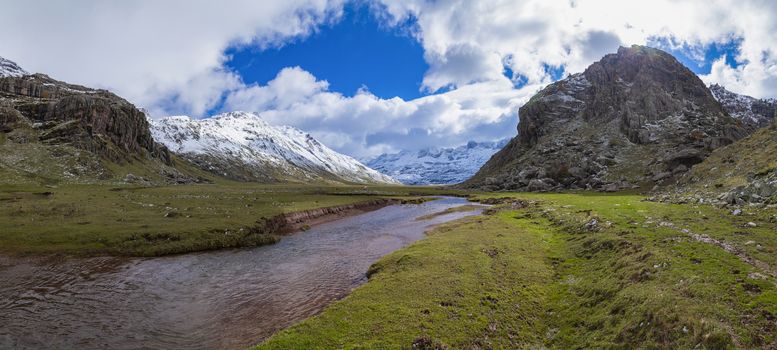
(366, 125)
(530, 35)
(164, 55)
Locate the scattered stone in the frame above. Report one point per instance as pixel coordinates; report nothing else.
(592, 225)
(756, 276)
(611, 187)
(425, 342)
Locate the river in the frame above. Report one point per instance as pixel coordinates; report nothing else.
(227, 299)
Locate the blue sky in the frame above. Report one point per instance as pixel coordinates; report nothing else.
(699, 59)
(372, 76)
(353, 53)
(359, 51)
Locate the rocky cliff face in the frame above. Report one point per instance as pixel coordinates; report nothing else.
(635, 118)
(93, 120)
(53, 129)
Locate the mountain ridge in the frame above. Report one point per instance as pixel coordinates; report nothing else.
(436, 166)
(242, 146)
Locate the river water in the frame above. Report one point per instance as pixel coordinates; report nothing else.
(226, 299)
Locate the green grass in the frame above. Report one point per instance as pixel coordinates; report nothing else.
(541, 274)
(125, 220)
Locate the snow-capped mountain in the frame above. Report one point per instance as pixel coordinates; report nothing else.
(753, 111)
(243, 146)
(436, 165)
(11, 69)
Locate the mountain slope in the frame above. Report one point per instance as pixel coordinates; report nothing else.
(436, 166)
(750, 110)
(51, 131)
(743, 172)
(242, 146)
(635, 118)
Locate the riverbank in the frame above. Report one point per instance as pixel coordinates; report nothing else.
(227, 299)
(566, 271)
(94, 220)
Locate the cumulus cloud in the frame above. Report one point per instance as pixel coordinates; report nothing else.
(366, 125)
(164, 55)
(528, 36)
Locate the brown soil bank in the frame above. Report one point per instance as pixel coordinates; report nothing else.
(291, 222)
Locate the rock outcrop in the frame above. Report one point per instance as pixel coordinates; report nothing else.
(93, 120)
(635, 118)
(56, 131)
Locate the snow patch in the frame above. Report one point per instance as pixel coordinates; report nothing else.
(9, 68)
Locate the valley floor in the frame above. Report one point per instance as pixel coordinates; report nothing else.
(101, 219)
(566, 271)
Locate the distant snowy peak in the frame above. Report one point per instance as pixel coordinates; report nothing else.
(9, 68)
(242, 145)
(757, 112)
(437, 166)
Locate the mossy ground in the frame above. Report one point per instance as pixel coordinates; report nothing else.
(127, 220)
(542, 274)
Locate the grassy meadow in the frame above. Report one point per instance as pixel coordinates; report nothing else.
(149, 221)
(566, 271)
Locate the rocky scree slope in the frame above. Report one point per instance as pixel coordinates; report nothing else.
(52, 131)
(242, 146)
(635, 118)
(436, 166)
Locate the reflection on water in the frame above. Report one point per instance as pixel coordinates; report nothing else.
(225, 299)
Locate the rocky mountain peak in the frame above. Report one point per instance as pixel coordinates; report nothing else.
(636, 117)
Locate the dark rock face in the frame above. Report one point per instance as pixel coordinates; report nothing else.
(93, 120)
(637, 117)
